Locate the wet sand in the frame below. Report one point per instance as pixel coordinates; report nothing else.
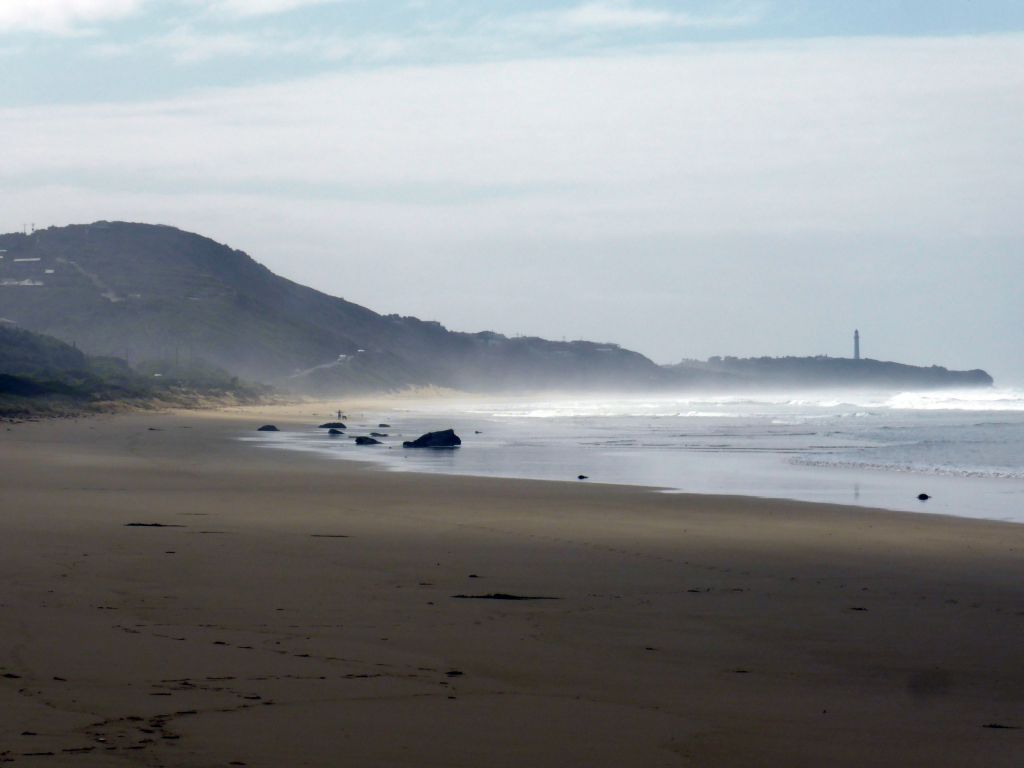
(274, 608)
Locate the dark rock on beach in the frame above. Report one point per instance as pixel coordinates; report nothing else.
(923, 497)
(443, 439)
(332, 425)
(333, 431)
(378, 434)
(503, 596)
(268, 428)
(363, 440)
(384, 426)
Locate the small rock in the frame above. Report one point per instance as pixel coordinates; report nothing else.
(581, 477)
(332, 425)
(923, 497)
(333, 431)
(363, 440)
(384, 426)
(268, 428)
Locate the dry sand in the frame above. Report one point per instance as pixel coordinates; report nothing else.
(302, 612)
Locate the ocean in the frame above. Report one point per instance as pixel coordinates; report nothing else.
(965, 449)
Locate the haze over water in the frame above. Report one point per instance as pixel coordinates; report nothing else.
(964, 448)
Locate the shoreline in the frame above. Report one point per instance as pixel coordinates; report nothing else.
(378, 465)
(291, 611)
(767, 475)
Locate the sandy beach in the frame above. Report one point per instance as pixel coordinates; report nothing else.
(172, 596)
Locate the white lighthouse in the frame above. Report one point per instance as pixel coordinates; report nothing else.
(856, 345)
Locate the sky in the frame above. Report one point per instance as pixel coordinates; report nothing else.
(686, 179)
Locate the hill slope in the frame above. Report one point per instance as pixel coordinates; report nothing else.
(42, 375)
(23, 353)
(141, 291)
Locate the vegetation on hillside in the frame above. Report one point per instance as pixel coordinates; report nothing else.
(40, 375)
(144, 292)
(164, 301)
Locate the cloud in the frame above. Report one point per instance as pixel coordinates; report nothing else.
(797, 137)
(61, 16)
(620, 14)
(250, 8)
(611, 18)
(191, 47)
(211, 29)
(69, 16)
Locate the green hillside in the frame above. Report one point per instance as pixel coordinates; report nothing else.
(43, 375)
(144, 293)
(140, 291)
(32, 354)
